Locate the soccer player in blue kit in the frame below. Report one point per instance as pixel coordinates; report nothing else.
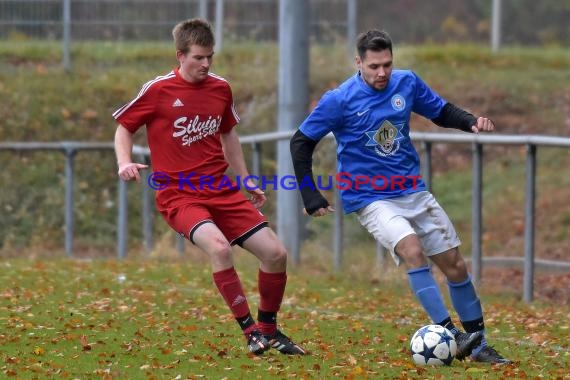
(369, 116)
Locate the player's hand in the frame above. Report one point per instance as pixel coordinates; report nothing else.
(483, 125)
(321, 212)
(130, 171)
(257, 197)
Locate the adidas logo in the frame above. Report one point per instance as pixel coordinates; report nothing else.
(239, 299)
(177, 103)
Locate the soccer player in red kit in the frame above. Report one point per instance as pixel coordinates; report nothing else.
(190, 120)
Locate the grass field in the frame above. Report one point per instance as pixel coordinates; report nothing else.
(163, 319)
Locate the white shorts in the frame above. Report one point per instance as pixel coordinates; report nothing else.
(391, 220)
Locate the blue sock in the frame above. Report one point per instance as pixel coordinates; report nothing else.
(428, 293)
(468, 306)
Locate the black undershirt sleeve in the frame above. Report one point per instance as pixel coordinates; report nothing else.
(302, 149)
(452, 116)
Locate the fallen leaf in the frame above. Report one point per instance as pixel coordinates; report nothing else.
(84, 344)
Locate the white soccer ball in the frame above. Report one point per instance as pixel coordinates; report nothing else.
(433, 345)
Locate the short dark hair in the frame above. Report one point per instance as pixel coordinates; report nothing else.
(375, 40)
(192, 32)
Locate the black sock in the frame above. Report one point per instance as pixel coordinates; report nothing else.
(267, 322)
(448, 324)
(473, 326)
(267, 316)
(246, 321)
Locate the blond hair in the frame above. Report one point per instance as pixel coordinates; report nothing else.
(192, 32)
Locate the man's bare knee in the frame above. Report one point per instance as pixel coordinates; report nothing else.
(414, 258)
(222, 251)
(411, 252)
(277, 258)
(451, 263)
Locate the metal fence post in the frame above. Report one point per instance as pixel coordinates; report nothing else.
(477, 206)
(147, 210)
(256, 159)
(496, 26)
(380, 256)
(530, 194)
(66, 35)
(293, 99)
(203, 9)
(338, 230)
(351, 26)
(180, 244)
(219, 24)
(426, 165)
(69, 222)
(122, 220)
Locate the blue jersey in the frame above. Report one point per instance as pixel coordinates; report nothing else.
(376, 158)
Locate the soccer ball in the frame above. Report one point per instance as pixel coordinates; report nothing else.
(433, 345)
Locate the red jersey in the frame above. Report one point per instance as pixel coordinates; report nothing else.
(184, 121)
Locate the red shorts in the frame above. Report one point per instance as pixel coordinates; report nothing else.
(228, 209)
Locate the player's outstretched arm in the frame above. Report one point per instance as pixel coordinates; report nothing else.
(128, 170)
(452, 116)
(302, 149)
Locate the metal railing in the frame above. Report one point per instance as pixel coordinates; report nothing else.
(427, 140)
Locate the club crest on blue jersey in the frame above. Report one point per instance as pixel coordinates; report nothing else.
(398, 102)
(385, 139)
